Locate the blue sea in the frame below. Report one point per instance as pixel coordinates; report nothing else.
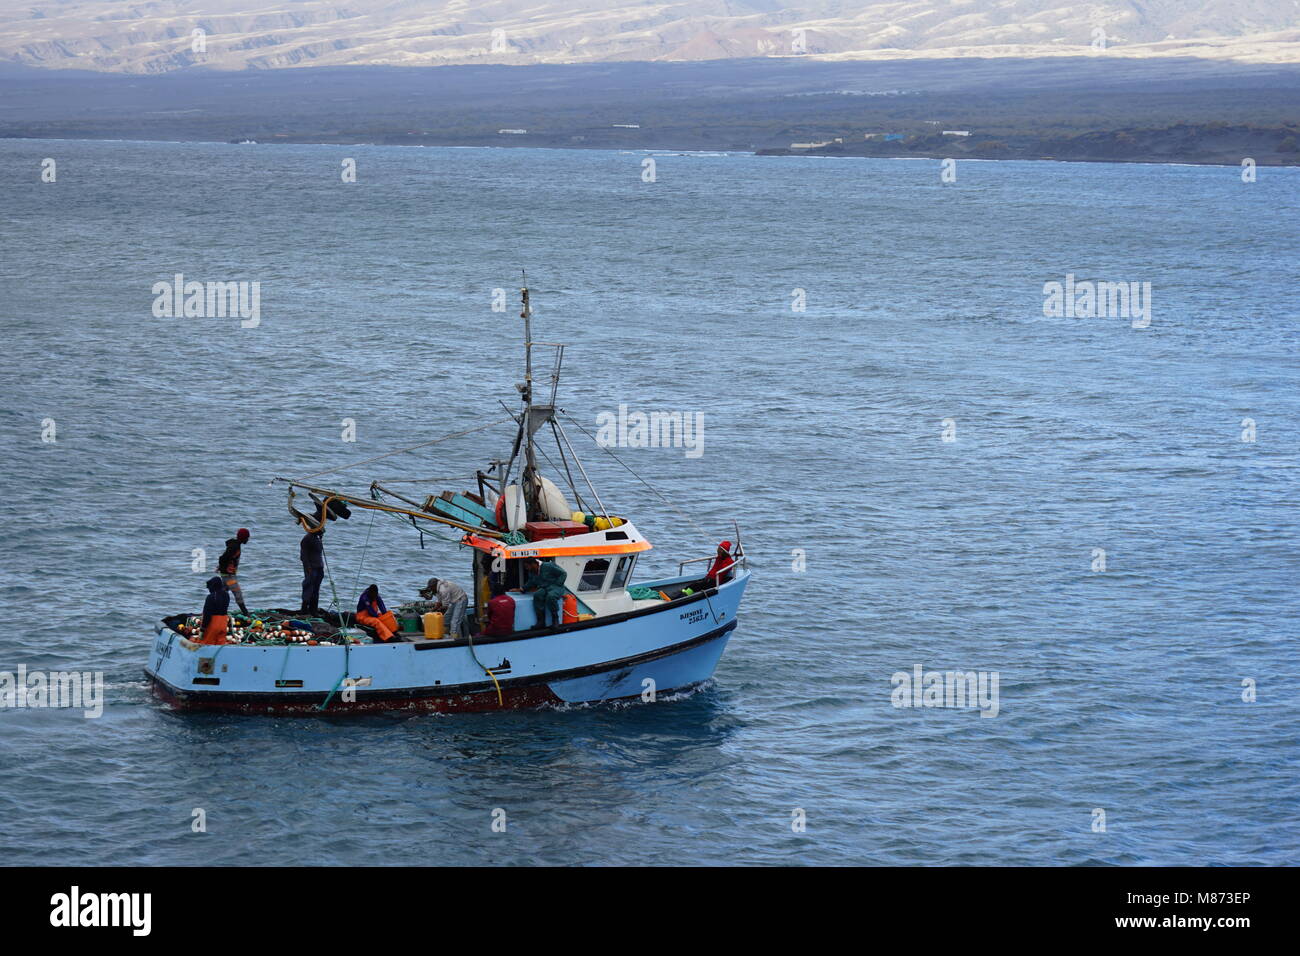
(925, 468)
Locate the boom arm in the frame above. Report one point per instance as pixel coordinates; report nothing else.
(352, 500)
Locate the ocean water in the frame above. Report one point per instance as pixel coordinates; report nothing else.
(876, 545)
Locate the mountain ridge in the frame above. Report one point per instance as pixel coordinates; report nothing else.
(157, 36)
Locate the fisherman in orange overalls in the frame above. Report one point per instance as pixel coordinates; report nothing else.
(214, 613)
(372, 612)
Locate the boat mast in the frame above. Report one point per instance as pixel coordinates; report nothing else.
(530, 460)
(534, 417)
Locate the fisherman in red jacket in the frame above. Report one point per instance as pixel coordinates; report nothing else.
(720, 570)
(500, 613)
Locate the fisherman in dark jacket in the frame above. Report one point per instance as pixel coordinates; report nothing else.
(311, 550)
(228, 566)
(215, 607)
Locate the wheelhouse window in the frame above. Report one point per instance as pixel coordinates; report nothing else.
(623, 571)
(593, 575)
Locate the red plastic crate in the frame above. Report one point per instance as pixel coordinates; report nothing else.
(542, 530)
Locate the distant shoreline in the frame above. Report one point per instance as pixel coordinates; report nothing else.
(935, 156)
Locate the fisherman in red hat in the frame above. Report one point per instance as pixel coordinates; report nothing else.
(228, 566)
(720, 570)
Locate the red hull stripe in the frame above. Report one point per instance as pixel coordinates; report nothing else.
(520, 698)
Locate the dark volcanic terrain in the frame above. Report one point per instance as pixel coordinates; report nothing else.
(1174, 110)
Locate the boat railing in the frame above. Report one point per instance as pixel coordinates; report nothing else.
(740, 560)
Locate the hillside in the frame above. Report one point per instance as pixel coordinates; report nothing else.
(156, 36)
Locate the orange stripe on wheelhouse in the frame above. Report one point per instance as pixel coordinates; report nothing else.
(537, 550)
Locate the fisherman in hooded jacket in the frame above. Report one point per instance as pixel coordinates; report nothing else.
(372, 612)
(720, 571)
(215, 607)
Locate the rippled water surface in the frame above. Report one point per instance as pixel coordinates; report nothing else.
(1120, 690)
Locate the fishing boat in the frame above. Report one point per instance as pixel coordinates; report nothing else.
(616, 640)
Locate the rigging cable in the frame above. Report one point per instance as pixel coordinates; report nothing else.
(388, 454)
(356, 583)
(557, 431)
(666, 501)
(577, 498)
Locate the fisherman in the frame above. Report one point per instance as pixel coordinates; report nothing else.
(372, 612)
(720, 571)
(215, 607)
(450, 598)
(529, 575)
(547, 582)
(311, 551)
(500, 613)
(228, 566)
